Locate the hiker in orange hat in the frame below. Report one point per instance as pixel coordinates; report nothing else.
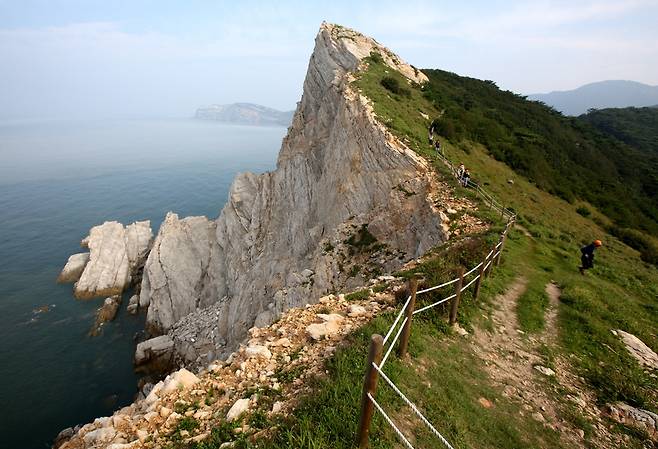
(587, 257)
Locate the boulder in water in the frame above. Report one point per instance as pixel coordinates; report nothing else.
(116, 253)
(107, 312)
(73, 268)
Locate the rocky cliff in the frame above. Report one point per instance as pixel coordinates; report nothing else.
(347, 200)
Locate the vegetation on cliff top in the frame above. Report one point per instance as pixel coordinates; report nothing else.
(619, 293)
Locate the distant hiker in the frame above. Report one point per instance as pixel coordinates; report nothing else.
(437, 146)
(460, 171)
(466, 177)
(587, 257)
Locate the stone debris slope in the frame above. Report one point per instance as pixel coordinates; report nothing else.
(266, 375)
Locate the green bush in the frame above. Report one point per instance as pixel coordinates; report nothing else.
(585, 212)
(393, 85)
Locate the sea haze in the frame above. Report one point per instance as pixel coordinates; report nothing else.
(57, 180)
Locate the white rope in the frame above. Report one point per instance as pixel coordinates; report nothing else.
(437, 286)
(390, 422)
(470, 283)
(394, 340)
(413, 407)
(435, 304)
(487, 266)
(499, 243)
(473, 269)
(390, 331)
(497, 254)
(489, 255)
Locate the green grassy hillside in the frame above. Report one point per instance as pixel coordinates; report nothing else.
(562, 155)
(637, 127)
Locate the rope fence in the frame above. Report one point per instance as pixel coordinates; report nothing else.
(401, 328)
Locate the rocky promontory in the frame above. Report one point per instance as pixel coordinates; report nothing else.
(292, 235)
(116, 254)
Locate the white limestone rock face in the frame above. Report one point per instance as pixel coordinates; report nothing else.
(177, 279)
(338, 171)
(73, 268)
(115, 253)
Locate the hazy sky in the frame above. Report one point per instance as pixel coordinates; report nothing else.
(105, 58)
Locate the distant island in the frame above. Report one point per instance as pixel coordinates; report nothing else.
(600, 95)
(245, 114)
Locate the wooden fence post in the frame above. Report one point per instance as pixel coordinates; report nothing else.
(478, 283)
(369, 386)
(454, 305)
(493, 254)
(502, 245)
(404, 339)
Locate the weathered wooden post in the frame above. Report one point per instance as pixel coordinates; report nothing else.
(406, 331)
(491, 259)
(369, 386)
(502, 245)
(478, 283)
(454, 305)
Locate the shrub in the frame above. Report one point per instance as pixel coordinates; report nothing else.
(393, 85)
(358, 295)
(585, 212)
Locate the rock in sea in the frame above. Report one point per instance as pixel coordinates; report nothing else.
(115, 255)
(106, 313)
(73, 268)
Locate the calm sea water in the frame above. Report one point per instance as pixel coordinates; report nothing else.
(57, 180)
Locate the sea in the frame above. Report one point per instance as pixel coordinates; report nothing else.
(57, 180)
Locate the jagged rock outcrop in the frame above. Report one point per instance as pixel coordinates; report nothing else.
(115, 255)
(638, 349)
(107, 312)
(634, 417)
(287, 237)
(73, 268)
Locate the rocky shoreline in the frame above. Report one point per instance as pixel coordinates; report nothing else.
(267, 374)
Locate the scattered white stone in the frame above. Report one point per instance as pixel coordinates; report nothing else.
(99, 436)
(331, 317)
(258, 351)
(276, 408)
(318, 331)
(240, 406)
(356, 310)
(285, 342)
(545, 370)
(642, 353)
(181, 379)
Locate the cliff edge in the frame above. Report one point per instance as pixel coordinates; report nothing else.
(347, 200)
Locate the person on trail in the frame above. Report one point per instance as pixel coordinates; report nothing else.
(437, 146)
(460, 171)
(587, 257)
(466, 177)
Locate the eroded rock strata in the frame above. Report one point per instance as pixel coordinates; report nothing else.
(287, 237)
(116, 254)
